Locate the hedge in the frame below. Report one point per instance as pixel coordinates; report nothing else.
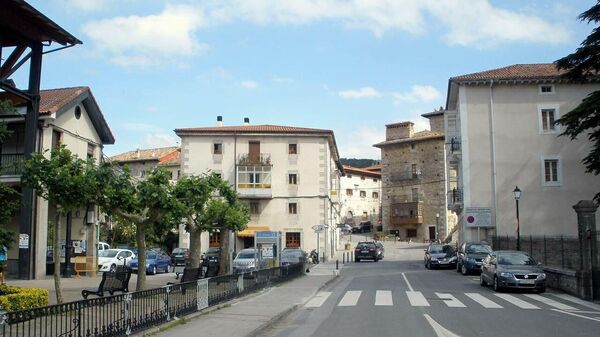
(17, 298)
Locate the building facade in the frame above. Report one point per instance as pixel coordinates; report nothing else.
(500, 133)
(69, 117)
(360, 196)
(288, 176)
(413, 175)
(141, 161)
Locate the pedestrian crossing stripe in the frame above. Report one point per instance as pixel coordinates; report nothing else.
(450, 300)
(484, 301)
(318, 300)
(350, 298)
(384, 298)
(417, 299)
(517, 301)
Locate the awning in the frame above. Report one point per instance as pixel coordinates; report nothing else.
(250, 230)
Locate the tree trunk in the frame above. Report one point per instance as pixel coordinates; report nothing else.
(224, 256)
(140, 237)
(56, 253)
(195, 248)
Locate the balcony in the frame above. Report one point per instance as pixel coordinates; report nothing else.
(407, 213)
(455, 145)
(405, 176)
(9, 163)
(254, 181)
(455, 199)
(261, 159)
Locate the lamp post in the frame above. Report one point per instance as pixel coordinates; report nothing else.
(517, 195)
(437, 220)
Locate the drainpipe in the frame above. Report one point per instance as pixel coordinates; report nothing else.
(493, 156)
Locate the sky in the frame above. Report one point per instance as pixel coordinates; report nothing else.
(350, 66)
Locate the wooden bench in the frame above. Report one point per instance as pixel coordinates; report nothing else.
(111, 283)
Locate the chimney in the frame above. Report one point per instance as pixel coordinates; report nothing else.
(246, 121)
(399, 130)
(137, 153)
(219, 120)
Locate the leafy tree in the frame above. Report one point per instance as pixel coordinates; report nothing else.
(209, 204)
(65, 181)
(360, 163)
(147, 204)
(580, 66)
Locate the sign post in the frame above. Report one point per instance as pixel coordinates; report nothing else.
(318, 230)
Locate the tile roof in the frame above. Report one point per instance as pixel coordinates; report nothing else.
(252, 129)
(53, 99)
(376, 167)
(147, 154)
(363, 171)
(417, 136)
(515, 72)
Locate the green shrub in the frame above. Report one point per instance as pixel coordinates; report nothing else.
(17, 298)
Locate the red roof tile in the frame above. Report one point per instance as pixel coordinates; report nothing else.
(252, 129)
(158, 154)
(363, 171)
(515, 72)
(417, 136)
(53, 99)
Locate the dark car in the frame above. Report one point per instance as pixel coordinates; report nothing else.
(470, 255)
(210, 262)
(179, 256)
(291, 256)
(366, 250)
(156, 260)
(439, 255)
(380, 250)
(512, 269)
(363, 227)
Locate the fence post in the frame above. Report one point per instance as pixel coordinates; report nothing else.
(166, 301)
(3, 317)
(588, 249)
(128, 299)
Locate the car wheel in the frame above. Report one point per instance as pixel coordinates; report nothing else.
(113, 268)
(482, 280)
(428, 265)
(464, 270)
(376, 260)
(497, 287)
(154, 270)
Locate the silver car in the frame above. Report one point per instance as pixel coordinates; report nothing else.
(245, 261)
(512, 269)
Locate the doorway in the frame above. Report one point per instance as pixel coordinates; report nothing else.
(432, 233)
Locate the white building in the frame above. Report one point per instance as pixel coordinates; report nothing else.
(142, 161)
(289, 176)
(500, 134)
(360, 195)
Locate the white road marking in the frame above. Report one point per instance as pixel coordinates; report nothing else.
(484, 301)
(578, 301)
(439, 330)
(576, 315)
(417, 299)
(516, 301)
(350, 298)
(383, 298)
(550, 302)
(318, 300)
(450, 300)
(407, 283)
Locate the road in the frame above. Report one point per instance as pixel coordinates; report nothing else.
(399, 297)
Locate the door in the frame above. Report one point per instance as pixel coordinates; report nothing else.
(431, 233)
(254, 151)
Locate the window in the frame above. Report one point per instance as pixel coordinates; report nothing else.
(415, 194)
(217, 148)
(219, 175)
(254, 207)
(551, 171)
(548, 116)
(375, 195)
(414, 170)
(412, 147)
(348, 191)
(292, 240)
(546, 89)
(293, 208)
(292, 148)
(349, 176)
(91, 149)
(56, 139)
(142, 173)
(77, 112)
(178, 174)
(362, 178)
(214, 239)
(363, 194)
(375, 180)
(411, 233)
(292, 179)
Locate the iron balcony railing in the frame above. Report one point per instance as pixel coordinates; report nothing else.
(254, 159)
(9, 163)
(403, 176)
(125, 314)
(455, 144)
(455, 196)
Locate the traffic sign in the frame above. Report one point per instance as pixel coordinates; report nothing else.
(319, 228)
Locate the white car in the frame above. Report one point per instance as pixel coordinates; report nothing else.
(109, 259)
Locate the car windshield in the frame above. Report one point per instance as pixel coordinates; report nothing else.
(436, 249)
(245, 255)
(479, 249)
(516, 259)
(178, 251)
(366, 245)
(291, 253)
(108, 253)
(150, 255)
(212, 251)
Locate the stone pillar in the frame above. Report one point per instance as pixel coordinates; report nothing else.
(589, 277)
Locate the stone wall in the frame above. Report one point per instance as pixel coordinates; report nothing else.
(399, 130)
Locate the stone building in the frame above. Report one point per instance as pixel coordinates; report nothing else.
(413, 177)
(142, 161)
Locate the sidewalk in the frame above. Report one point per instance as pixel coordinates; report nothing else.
(249, 316)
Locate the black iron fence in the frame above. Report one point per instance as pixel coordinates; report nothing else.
(9, 162)
(563, 252)
(122, 315)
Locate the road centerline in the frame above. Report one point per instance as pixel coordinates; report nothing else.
(407, 283)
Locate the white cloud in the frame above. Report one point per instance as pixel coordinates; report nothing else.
(364, 92)
(350, 148)
(417, 93)
(149, 40)
(89, 5)
(249, 84)
(152, 140)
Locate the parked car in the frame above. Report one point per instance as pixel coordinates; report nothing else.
(346, 228)
(470, 255)
(291, 256)
(512, 269)
(245, 261)
(210, 262)
(109, 259)
(380, 250)
(103, 246)
(439, 255)
(179, 256)
(363, 227)
(366, 250)
(156, 261)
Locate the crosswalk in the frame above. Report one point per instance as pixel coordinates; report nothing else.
(389, 298)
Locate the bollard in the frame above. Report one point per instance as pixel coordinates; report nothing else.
(337, 264)
(344, 258)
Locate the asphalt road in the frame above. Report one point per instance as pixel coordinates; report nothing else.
(399, 297)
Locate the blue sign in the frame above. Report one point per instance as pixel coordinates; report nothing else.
(266, 235)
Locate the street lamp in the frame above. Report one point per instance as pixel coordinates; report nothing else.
(437, 220)
(517, 195)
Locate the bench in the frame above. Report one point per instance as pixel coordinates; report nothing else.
(111, 282)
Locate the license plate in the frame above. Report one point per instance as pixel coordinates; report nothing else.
(527, 281)
(443, 262)
(364, 251)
